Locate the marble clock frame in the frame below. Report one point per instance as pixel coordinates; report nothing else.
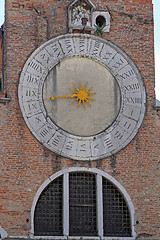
(125, 72)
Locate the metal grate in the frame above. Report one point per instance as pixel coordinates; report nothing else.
(48, 212)
(115, 212)
(82, 204)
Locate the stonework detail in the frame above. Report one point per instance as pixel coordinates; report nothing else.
(102, 19)
(80, 15)
(110, 140)
(83, 17)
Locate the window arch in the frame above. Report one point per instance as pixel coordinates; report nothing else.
(82, 202)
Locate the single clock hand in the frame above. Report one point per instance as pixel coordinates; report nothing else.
(81, 95)
(65, 96)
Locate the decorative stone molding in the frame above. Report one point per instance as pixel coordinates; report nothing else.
(4, 99)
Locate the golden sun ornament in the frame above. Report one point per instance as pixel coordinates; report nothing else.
(81, 94)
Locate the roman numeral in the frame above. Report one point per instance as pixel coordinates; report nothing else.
(32, 79)
(56, 140)
(82, 147)
(107, 55)
(36, 67)
(96, 48)
(45, 131)
(31, 93)
(81, 45)
(69, 145)
(33, 107)
(56, 50)
(118, 64)
(127, 74)
(134, 86)
(118, 135)
(45, 58)
(133, 100)
(68, 45)
(107, 141)
(38, 119)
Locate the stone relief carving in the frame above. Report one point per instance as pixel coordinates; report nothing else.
(83, 17)
(80, 15)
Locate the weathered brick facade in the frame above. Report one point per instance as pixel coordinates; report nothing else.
(1, 57)
(25, 164)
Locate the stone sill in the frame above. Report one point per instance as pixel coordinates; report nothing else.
(4, 99)
(69, 238)
(157, 108)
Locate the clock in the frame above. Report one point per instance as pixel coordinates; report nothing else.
(81, 96)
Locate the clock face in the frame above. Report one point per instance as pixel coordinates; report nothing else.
(81, 96)
(99, 109)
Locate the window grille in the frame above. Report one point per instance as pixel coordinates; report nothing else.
(48, 212)
(116, 217)
(82, 204)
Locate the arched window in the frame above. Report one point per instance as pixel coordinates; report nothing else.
(82, 202)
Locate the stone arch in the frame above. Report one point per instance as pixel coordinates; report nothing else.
(99, 175)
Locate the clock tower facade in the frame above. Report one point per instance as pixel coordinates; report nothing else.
(79, 126)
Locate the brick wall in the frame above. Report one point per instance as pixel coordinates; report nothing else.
(25, 164)
(0, 58)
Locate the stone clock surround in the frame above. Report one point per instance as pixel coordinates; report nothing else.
(105, 143)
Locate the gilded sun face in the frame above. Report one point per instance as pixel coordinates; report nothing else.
(81, 94)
